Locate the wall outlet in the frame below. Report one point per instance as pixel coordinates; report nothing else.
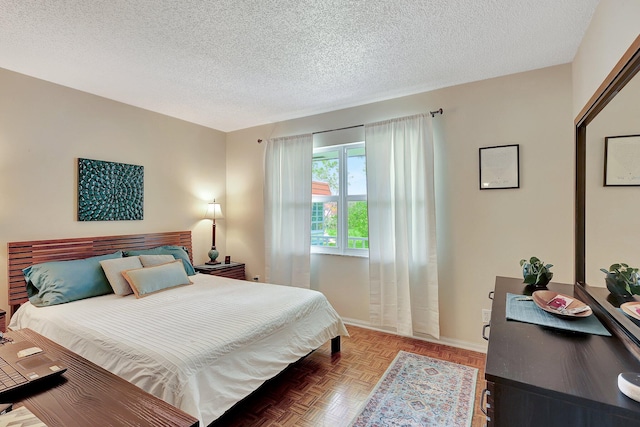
(486, 315)
(256, 278)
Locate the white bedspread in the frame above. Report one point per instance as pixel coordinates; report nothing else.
(201, 347)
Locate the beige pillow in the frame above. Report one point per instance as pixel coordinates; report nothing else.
(153, 260)
(113, 269)
(149, 280)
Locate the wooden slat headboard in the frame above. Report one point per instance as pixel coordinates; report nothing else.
(21, 255)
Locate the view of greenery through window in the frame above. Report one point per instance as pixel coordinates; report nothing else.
(340, 180)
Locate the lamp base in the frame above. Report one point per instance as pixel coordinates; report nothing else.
(213, 254)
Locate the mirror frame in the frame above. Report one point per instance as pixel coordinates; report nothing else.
(627, 67)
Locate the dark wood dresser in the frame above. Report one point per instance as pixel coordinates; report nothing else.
(87, 395)
(233, 270)
(539, 376)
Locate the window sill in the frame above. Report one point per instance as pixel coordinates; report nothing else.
(348, 254)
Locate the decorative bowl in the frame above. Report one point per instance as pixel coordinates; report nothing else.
(561, 305)
(632, 309)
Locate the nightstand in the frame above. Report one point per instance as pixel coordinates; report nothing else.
(233, 270)
(3, 321)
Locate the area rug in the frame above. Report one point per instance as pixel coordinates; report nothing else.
(421, 391)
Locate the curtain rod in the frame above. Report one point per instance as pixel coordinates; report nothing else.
(333, 130)
(433, 114)
(329, 130)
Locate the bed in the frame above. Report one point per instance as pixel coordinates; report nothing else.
(201, 347)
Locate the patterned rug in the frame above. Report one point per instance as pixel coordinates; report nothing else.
(421, 391)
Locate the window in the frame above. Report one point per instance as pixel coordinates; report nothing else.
(339, 222)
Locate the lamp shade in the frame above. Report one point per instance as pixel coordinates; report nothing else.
(214, 211)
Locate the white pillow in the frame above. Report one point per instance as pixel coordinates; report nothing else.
(153, 260)
(113, 269)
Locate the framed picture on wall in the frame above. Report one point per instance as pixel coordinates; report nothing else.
(622, 161)
(109, 191)
(500, 167)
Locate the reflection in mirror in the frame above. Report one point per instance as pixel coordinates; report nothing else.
(612, 213)
(623, 72)
(605, 229)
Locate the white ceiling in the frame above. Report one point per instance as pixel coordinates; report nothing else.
(233, 64)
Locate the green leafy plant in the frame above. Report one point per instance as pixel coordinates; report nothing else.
(536, 272)
(622, 279)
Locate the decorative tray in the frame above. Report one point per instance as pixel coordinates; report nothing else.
(561, 305)
(632, 309)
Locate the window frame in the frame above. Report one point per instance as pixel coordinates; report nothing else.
(342, 201)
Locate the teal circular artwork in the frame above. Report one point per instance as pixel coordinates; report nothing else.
(109, 191)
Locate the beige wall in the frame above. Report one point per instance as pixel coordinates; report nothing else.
(614, 26)
(44, 128)
(481, 234)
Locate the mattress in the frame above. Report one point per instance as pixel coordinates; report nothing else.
(201, 347)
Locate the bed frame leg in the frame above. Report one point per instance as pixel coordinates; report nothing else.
(335, 344)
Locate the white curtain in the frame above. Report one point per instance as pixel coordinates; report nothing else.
(287, 210)
(402, 231)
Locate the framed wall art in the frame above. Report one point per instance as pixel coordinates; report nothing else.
(622, 161)
(500, 167)
(109, 191)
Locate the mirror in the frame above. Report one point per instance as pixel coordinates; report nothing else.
(612, 212)
(601, 233)
(604, 226)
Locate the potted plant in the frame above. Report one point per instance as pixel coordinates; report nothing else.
(536, 272)
(622, 279)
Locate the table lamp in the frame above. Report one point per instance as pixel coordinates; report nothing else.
(213, 212)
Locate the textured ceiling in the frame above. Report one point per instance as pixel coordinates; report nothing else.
(233, 64)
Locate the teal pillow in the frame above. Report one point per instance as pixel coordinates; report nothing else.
(178, 252)
(149, 280)
(57, 282)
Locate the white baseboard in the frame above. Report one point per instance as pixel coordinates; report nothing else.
(445, 341)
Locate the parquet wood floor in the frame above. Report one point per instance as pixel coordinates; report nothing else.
(324, 390)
